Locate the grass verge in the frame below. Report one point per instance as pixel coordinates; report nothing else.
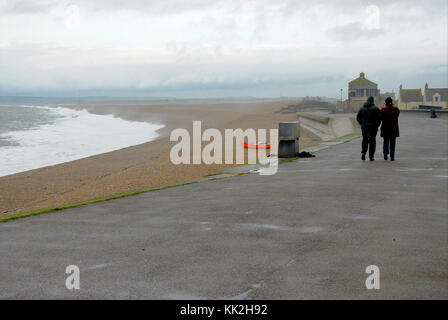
(211, 177)
(82, 203)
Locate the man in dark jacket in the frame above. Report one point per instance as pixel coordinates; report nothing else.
(389, 128)
(368, 118)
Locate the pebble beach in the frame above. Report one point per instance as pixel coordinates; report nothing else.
(137, 167)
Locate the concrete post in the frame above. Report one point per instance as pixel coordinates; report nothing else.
(288, 136)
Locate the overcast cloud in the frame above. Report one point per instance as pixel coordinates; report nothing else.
(200, 48)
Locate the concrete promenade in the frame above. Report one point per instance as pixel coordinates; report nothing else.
(308, 232)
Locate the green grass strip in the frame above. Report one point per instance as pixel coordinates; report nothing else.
(82, 203)
(135, 192)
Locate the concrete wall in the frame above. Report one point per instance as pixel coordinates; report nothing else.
(409, 105)
(443, 104)
(336, 127)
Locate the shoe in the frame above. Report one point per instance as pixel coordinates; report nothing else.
(392, 159)
(385, 156)
(363, 157)
(371, 159)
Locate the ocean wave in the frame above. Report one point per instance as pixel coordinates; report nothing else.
(75, 134)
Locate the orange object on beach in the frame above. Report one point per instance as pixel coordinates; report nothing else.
(256, 146)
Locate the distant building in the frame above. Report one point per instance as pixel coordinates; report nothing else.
(436, 97)
(386, 95)
(409, 98)
(431, 97)
(359, 90)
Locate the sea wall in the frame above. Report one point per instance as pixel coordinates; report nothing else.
(327, 126)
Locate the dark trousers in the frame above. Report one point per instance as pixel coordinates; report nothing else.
(389, 146)
(368, 143)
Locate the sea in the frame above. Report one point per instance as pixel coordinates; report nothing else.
(36, 136)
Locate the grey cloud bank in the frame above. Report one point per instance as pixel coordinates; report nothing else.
(210, 48)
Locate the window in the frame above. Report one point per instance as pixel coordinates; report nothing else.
(372, 92)
(359, 92)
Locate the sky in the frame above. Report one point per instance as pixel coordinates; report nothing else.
(231, 48)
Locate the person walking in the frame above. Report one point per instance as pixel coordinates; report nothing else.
(389, 128)
(368, 117)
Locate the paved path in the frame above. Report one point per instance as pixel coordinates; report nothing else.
(309, 231)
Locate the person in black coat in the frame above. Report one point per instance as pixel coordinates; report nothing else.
(433, 114)
(389, 128)
(368, 118)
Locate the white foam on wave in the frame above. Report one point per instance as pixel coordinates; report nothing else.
(76, 134)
